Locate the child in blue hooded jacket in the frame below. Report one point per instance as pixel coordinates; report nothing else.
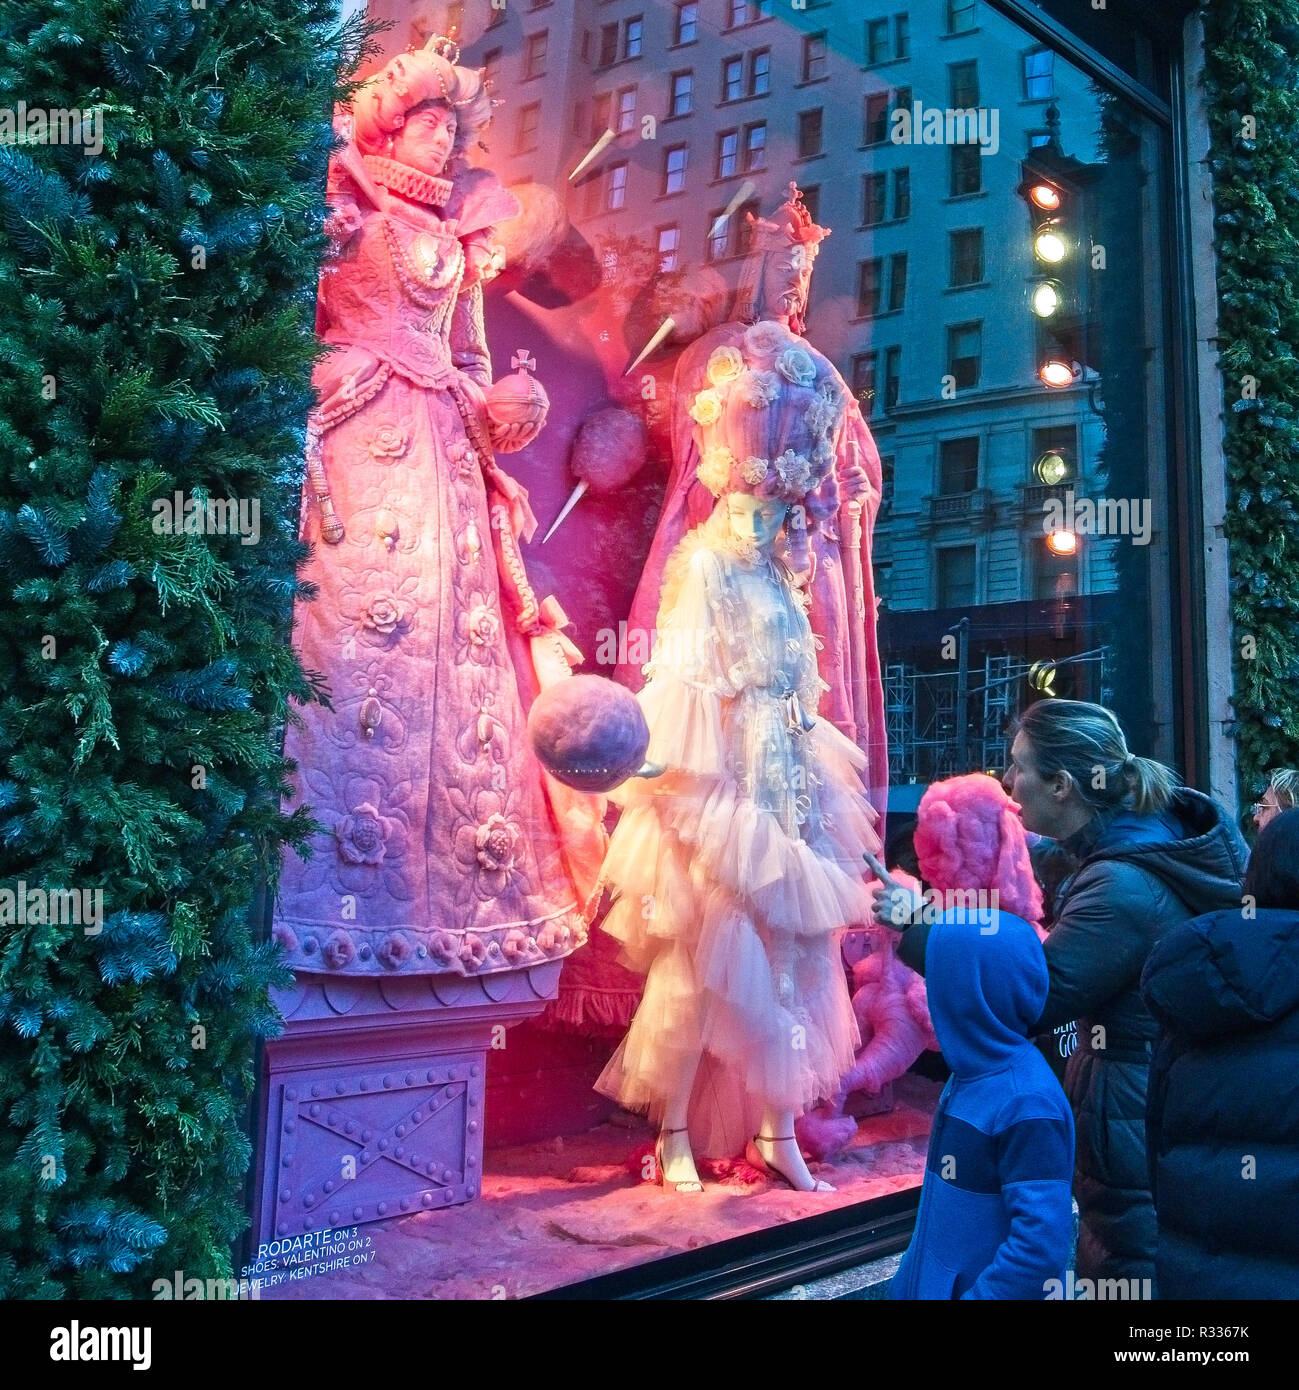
(995, 1218)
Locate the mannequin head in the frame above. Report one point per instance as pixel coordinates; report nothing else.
(786, 282)
(427, 138)
(754, 520)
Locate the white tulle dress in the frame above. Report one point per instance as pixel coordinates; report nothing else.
(734, 871)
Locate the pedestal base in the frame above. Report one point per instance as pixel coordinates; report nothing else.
(374, 1094)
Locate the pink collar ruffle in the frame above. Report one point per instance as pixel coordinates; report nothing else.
(408, 182)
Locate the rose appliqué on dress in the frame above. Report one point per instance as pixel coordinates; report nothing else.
(361, 835)
(388, 442)
(476, 627)
(796, 366)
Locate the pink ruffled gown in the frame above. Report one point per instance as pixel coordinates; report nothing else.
(735, 870)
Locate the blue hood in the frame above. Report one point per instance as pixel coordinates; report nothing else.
(987, 983)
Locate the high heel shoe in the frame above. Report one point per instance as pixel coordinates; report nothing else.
(691, 1185)
(754, 1156)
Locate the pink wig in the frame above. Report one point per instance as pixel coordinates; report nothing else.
(968, 836)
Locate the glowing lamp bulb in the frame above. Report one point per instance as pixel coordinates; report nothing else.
(1052, 469)
(1045, 197)
(1046, 300)
(1056, 373)
(1049, 247)
(1062, 543)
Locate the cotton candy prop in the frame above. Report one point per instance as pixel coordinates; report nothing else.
(589, 733)
(607, 453)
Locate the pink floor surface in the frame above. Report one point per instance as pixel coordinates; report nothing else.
(553, 1213)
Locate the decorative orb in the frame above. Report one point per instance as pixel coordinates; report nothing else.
(517, 399)
(588, 732)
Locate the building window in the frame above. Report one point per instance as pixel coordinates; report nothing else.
(719, 236)
(534, 54)
(687, 25)
(873, 187)
(956, 576)
(1054, 442)
(875, 119)
(958, 466)
(601, 115)
(615, 188)
(870, 275)
(901, 194)
(886, 486)
(626, 110)
(897, 281)
(728, 153)
(609, 44)
(966, 260)
(811, 201)
(809, 133)
(1038, 138)
(683, 94)
(964, 352)
(492, 66)
(633, 37)
(901, 36)
(669, 245)
(816, 57)
(892, 376)
(961, 15)
(760, 72)
(497, 17)
(732, 79)
(529, 122)
(877, 42)
(674, 168)
(1039, 74)
(966, 170)
(748, 12)
(863, 380)
(455, 18)
(755, 146)
(963, 85)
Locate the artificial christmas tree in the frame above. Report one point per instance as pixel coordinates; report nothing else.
(157, 289)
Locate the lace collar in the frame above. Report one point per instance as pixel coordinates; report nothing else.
(410, 183)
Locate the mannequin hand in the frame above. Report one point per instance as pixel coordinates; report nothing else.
(856, 483)
(475, 393)
(895, 905)
(507, 439)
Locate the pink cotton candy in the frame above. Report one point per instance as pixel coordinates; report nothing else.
(969, 836)
(609, 449)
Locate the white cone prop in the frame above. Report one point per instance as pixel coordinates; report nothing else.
(660, 333)
(572, 502)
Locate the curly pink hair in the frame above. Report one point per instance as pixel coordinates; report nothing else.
(969, 836)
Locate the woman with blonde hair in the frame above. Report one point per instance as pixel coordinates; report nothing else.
(1282, 794)
(1146, 853)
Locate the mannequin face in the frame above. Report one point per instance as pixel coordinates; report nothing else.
(426, 140)
(755, 519)
(1047, 805)
(787, 281)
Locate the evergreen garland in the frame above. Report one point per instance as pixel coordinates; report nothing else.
(156, 335)
(1252, 71)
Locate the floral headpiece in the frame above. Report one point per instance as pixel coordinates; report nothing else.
(774, 392)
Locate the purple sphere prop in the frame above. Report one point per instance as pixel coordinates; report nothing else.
(589, 733)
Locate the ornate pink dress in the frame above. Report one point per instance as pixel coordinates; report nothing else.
(442, 850)
(734, 871)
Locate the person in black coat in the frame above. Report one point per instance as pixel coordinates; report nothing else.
(1223, 1104)
(1146, 855)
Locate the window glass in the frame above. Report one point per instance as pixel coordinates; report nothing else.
(927, 302)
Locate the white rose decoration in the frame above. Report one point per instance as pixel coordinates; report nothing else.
(765, 339)
(753, 470)
(821, 416)
(795, 471)
(796, 366)
(706, 408)
(759, 389)
(724, 364)
(714, 469)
